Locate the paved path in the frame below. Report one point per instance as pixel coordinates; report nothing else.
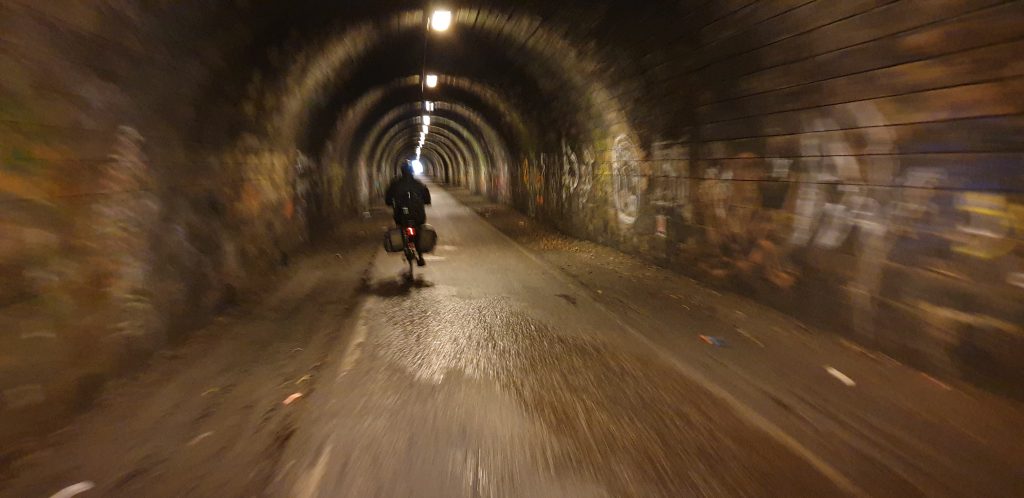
(506, 371)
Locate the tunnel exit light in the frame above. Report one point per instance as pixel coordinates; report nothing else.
(431, 80)
(441, 20)
(417, 166)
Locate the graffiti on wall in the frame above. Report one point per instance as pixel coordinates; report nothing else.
(544, 163)
(991, 226)
(577, 176)
(122, 225)
(533, 181)
(834, 195)
(826, 204)
(670, 176)
(744, 222)
(627, 180)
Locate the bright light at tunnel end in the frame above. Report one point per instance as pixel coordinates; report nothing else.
(417, 166)
(441, 20)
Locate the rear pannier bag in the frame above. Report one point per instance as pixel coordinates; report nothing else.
(428, 238)
(393, 240)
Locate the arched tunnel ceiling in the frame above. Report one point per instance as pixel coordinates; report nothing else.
(852, 162)
(524, 55)
(461, 123)
(491, 113)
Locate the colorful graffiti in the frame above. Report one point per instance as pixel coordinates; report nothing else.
(993, 226)
(829, 209)
(744, 223)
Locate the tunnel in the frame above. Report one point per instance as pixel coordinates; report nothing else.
(685, 248)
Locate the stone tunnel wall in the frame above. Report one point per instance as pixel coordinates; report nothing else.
(857, 164)
(135, 200)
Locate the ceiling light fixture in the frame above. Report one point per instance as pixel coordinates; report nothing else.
(441, 20)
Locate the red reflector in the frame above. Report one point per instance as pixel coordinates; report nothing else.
(410, 231)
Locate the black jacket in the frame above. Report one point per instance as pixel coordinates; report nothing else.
(408, 192)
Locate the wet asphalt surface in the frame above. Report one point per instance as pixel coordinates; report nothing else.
(508, 369)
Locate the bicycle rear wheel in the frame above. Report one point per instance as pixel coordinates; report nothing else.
(409, 258)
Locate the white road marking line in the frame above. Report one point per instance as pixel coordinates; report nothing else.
(840, 375)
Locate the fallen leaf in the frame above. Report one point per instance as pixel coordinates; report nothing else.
(200, 438)
(841, 376)
(746, 334)
(937, 382)
(74, 489)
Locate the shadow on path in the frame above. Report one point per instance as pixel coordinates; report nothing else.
(395, 287)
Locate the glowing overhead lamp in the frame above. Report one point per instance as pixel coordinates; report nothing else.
(426, 120)
(430, 106)
(441, 20)
(431, 80)
(426, 129)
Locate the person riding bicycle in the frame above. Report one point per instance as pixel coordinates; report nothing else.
(408, 197)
